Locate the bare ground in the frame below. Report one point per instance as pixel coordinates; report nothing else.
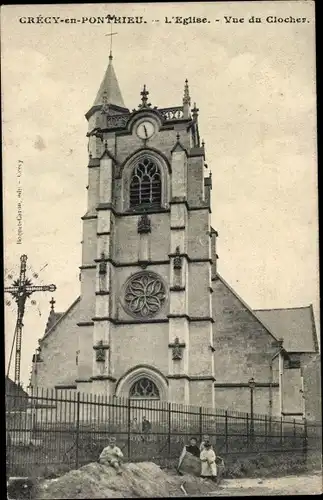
(146, 479)
(307, 484)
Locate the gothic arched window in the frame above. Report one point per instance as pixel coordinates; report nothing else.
(144, 388)
(145, 185)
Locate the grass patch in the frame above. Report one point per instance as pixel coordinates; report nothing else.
(271, 464)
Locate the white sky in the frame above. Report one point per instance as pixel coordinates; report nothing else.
(255, 87)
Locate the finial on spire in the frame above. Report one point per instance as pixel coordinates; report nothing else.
(177, 136)
(111, 35)
(52, 302)
(186, 98)
(144, 98)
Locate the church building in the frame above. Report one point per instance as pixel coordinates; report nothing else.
(154, 318)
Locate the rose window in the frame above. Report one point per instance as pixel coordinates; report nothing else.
(144, 294)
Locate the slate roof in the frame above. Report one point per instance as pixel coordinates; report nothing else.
(110, 86)
(295, 325)
(252, 312)
(54, 318)
(16, 396)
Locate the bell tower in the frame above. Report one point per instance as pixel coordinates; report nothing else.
(148, 252)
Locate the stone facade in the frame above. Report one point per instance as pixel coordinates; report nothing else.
(152, 305)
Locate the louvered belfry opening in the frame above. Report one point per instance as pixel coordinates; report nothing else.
(145, 185)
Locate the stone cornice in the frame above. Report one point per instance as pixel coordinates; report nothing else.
(103, 377)
(190, 318)
(147, 210)
(89, 217)
(101, 346)
(148, 263)
(130, 322)
(131, 264)
(192, 378)
(174, 201)
(191, 259)
(62, 387)
(232, 385)
(197, 378)
(103, 233)
(178, 377)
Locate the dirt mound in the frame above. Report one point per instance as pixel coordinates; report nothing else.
(143, 479)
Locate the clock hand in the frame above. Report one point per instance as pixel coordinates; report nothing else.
(145, 129)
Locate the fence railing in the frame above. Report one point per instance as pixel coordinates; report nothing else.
(68, 429)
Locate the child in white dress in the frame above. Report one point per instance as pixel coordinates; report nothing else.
(208, 462)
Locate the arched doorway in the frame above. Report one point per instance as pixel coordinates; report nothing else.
(147, 390)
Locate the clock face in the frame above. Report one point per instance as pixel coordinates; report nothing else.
(145, 130)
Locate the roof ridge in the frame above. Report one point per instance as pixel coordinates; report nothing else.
(284, 308)
(314, 331)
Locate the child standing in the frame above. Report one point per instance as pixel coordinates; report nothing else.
(206, 439)
(208, 464)
(112, 455)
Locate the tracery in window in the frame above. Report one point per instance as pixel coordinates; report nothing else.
(144, 388)
(145, 184)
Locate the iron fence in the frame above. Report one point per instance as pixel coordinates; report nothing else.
(60, 430)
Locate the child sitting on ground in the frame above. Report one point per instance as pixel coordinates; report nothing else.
(112, 455)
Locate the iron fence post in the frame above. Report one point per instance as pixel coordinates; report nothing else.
(226, 431)
(129, 428)
(266, 432)
(200, 423)
(169, 428)
(281, 432)
(305, 440)
(252, 385)
(77, 437)
(247, 421)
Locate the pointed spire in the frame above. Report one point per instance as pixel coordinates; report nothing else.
(52, 303)
(144, 98)
(109, 91)
(186, 98)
